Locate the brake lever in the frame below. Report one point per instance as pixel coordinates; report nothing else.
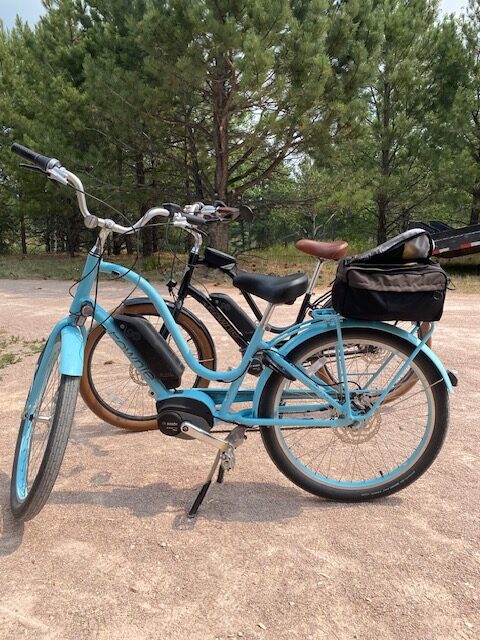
(32, 167)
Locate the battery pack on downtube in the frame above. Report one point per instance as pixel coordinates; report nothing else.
(234, 313)
(157, 357)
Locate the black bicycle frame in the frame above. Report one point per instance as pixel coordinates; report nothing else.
(238, 325)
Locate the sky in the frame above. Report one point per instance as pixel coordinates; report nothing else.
(30, 10)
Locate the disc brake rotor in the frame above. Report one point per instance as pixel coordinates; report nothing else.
(136, 377)
(373, 355)
(360, 433)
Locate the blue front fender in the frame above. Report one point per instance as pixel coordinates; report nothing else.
(317, 328)
(73, 347)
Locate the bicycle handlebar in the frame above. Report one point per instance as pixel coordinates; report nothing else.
(42, 162)
(196, 220)
(181, 218)
(55, 171)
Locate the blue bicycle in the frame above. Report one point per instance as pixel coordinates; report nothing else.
(327, 403)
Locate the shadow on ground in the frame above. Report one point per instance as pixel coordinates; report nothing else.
(230, 502)
(11, 531)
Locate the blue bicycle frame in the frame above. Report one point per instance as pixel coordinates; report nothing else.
(73, 337)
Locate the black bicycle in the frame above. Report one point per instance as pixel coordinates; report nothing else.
(111, 386)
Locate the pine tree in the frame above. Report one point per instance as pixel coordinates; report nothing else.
(468, 105)
(250, 86)
(397, 113)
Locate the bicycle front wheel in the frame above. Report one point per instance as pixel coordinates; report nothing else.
(43, 436)
(383, 455)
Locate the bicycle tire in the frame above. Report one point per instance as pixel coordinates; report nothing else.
(26, 502)
(280, 445)
(96, 398)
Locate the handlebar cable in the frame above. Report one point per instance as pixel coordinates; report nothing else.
(90, 195)
(97, 265)
(172, 266)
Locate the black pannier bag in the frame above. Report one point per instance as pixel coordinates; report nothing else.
(394, 281)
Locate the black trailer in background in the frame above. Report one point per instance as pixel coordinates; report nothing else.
(450, 242)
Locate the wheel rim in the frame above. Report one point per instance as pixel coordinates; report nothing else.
(37, 428)
(351, 458)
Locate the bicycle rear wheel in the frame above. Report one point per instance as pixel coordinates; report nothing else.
(113, 389)
(43, 436)
(389, 451)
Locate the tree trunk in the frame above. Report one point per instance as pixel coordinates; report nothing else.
(73, 235)
(405, 219)
(117, 244)
(382, 209)
(117, 240)
(242, 231)
(147, 244)
(23, 235)
(475, 211)
(222, 83)
(195, 166)
(219, 236)
(381, 198)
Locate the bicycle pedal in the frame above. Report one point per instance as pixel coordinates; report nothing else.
(236, 437)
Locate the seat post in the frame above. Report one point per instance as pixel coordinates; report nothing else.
(315, 274)
(267, 314)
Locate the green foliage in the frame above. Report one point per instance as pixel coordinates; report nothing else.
(463, 155)
(345, 118)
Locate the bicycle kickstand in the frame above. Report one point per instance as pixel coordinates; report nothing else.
(224, 460)
(203, 491)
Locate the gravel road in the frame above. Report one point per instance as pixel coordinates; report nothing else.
(112, 556)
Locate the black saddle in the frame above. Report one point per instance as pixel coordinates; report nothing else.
(277, 290)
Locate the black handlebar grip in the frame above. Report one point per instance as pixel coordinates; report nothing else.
(172, 208)
(194, 219)
(35, 158)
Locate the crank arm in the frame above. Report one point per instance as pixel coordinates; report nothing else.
(200, 434)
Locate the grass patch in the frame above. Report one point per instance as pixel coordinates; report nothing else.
(44, 267)
(14, 349)
(8, 358)
(63, 267)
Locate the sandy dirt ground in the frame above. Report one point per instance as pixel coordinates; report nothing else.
(112, 556)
